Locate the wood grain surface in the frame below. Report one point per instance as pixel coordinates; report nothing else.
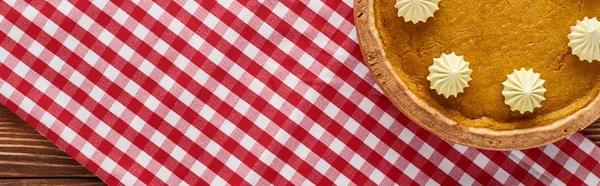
(28, 158)
(593, 132)
(53, 181)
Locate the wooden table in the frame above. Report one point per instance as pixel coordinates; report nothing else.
(27, 157)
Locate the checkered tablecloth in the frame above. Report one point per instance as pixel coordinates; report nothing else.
(234, 92)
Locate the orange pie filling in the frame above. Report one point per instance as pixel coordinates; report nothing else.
(496, 37)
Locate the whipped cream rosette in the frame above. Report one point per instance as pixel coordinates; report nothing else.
(449, 75)
(524, 90)
(585, 39)
(416, 10)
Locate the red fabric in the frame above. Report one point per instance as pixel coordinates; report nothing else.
(234, 92)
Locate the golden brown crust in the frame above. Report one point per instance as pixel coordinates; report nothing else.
(436, 122)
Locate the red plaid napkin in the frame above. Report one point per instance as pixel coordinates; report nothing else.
(234, 92)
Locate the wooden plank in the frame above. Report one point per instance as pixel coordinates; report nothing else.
(593, 132)
(25, 153)
(53, 181)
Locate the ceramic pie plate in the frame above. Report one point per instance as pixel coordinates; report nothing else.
(442, 120)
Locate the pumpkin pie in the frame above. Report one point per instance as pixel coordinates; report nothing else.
(497, 38)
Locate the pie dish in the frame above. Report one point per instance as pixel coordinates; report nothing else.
(496, 37)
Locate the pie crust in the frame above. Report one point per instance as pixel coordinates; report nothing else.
(436, 122)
